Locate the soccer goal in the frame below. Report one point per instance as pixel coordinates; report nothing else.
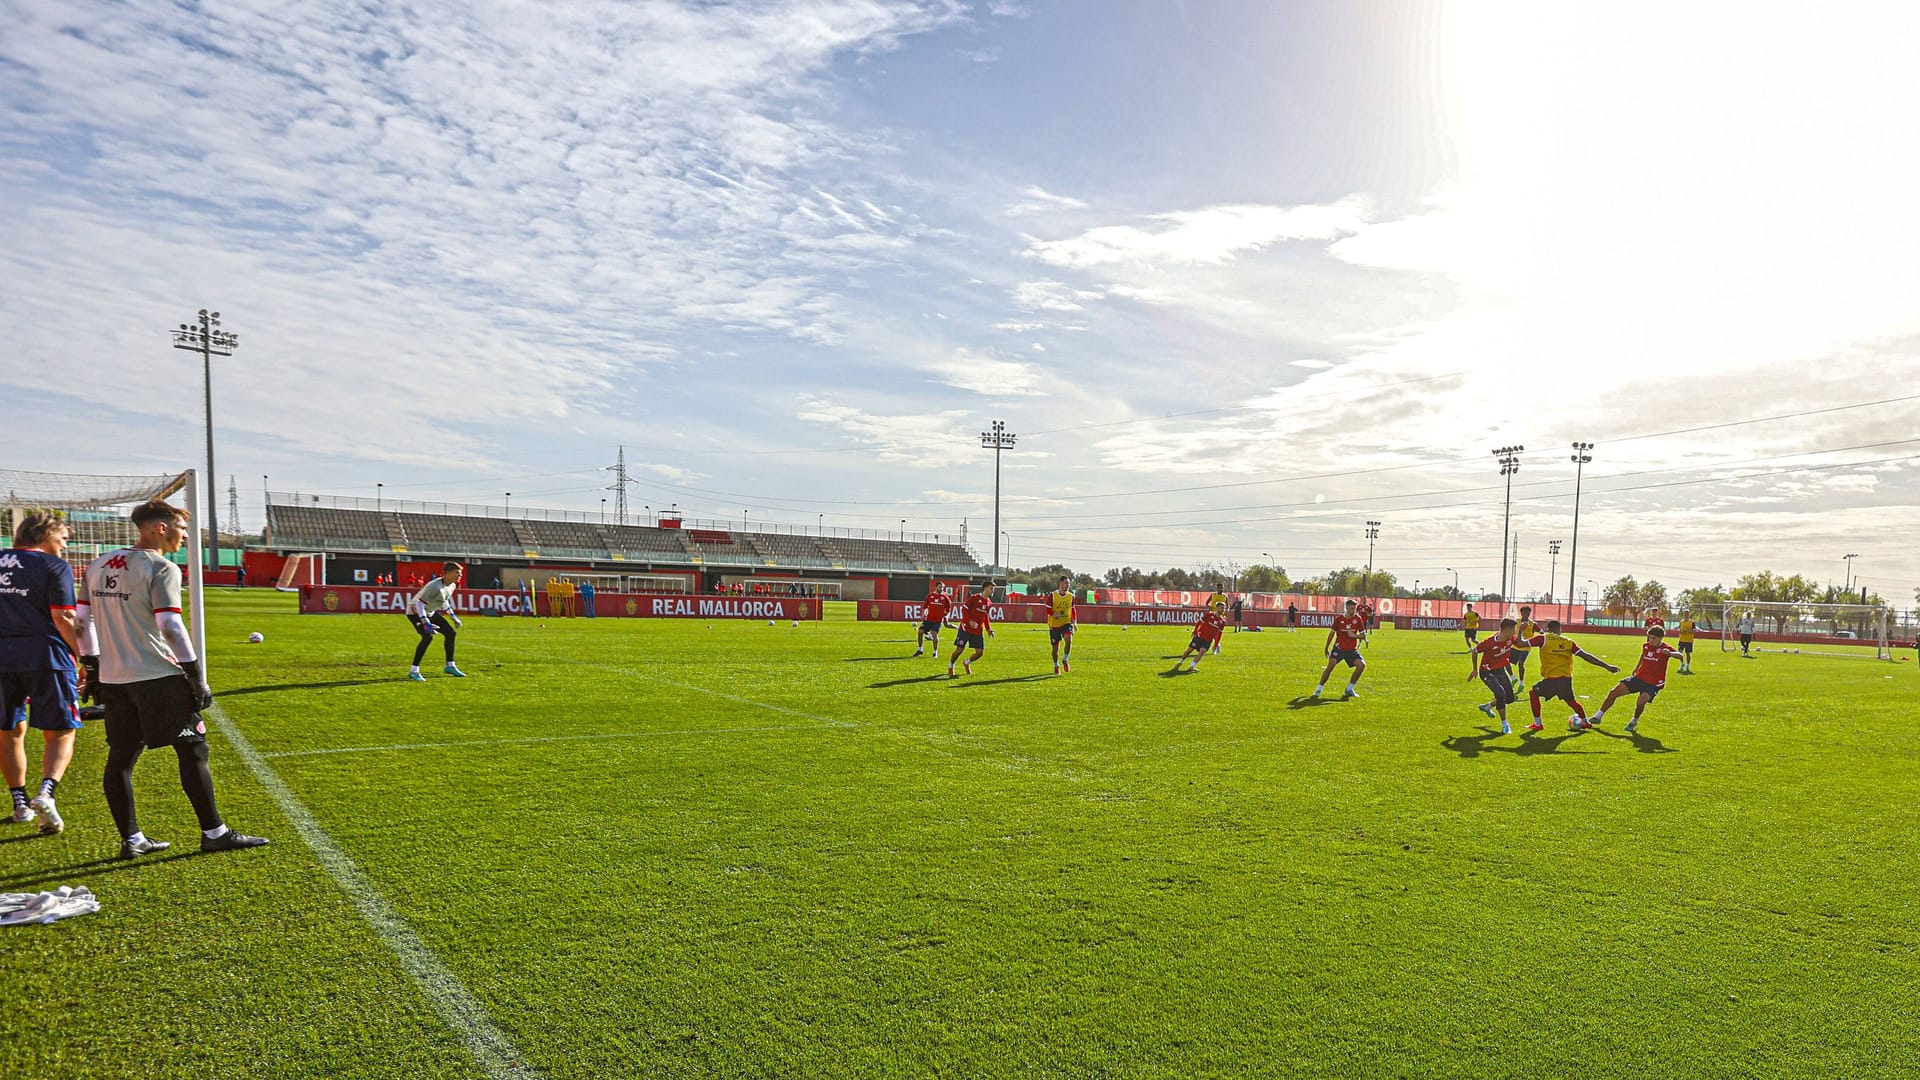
(824, 590)
(306, 568)
(96, 509)
(1856, 631)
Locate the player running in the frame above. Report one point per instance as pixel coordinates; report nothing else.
(1060, 624)
(1343, 647)
(1647, 680)
(1470, 625)
(939, 605)
(1745, 628)
(1524, 631)
(39, 641)
(1206, 638)
(1687, 629)
(1217, 603)
(1556, 674)
(976, 626)
(1490, 660)
(431, 612)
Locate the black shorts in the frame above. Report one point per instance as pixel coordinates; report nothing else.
(1500, 681)
(1635, 686)
(1519, 656)
(964, 640)
(1349, 657)
(1561, 688)
(1472, 636)
(1057, 634)
(931, 626)
(1746, 640)
(1687, 647)
(153, 713)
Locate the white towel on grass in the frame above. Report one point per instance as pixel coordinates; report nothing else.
(22, 908)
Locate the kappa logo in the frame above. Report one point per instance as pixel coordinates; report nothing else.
(10, 561)
(6, 579)
(118, 562)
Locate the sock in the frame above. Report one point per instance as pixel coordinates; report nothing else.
(1534, 700)
(135, 837)
(47, 784)
(19, 796)
(215, 834)
(1319, 688)
(414, 670)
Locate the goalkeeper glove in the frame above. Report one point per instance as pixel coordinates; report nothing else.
(197, 679)
(89, 678)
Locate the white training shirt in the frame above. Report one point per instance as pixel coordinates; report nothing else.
(433, 598)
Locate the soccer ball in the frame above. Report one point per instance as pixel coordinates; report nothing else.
(256, 638)
(769, 622)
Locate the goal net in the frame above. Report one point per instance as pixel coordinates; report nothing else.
(96, 508)
(1858, 631)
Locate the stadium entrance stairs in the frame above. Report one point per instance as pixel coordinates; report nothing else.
(396, 532)
(605, 537)
(832, 553)
(759, 547)
(686, 545)
(524, 537)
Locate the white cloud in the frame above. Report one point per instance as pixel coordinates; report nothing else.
(1192, 237)
(1052, 296)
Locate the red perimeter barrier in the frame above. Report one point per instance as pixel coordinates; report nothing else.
(367, 600)
(1088, 614)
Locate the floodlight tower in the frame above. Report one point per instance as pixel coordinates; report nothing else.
(998, 438)
(1509, 458)
(1581, 457)
(206, 338)
(1553, 571)
(1373, 533)
(1848, 561)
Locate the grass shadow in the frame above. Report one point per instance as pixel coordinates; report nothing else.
(875, 659)
(1646, 744)
(95, 868)
(1530, 744)
(1177, 670)
(1010, 679)
(1308, 701)
(305, 686)
(907, 682)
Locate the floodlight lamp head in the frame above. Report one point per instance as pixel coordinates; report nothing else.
(203, 313)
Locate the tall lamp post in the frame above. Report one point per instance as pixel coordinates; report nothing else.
(206, 338)
(1457, 594)
(1373, 533)
(1581, 457)
(1848, 560)
(1553, 571)
(1509, 458)
(998, 438)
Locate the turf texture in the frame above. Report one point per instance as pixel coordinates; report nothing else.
(689, 849)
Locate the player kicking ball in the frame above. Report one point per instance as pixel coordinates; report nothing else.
(1556, 675)
(1060, 625)
(1648, 679)
(1490, 665)
(976, 626)
(1343, 647)
(939, 605)
(1206, 638)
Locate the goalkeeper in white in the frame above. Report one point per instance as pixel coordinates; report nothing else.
(431, 613)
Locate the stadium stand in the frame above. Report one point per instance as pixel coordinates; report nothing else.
(305, 523)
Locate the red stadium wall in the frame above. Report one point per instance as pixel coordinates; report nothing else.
(1386, 606)
(368, 600)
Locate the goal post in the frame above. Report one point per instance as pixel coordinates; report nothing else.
(305, 568)
(1842, 630)
(96, 506)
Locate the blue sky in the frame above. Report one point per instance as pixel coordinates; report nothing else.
(1242, 275)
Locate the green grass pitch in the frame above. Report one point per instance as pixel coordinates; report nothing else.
(687, 850)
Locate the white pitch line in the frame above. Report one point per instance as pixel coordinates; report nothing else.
(459, 743)
(457, 1006)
